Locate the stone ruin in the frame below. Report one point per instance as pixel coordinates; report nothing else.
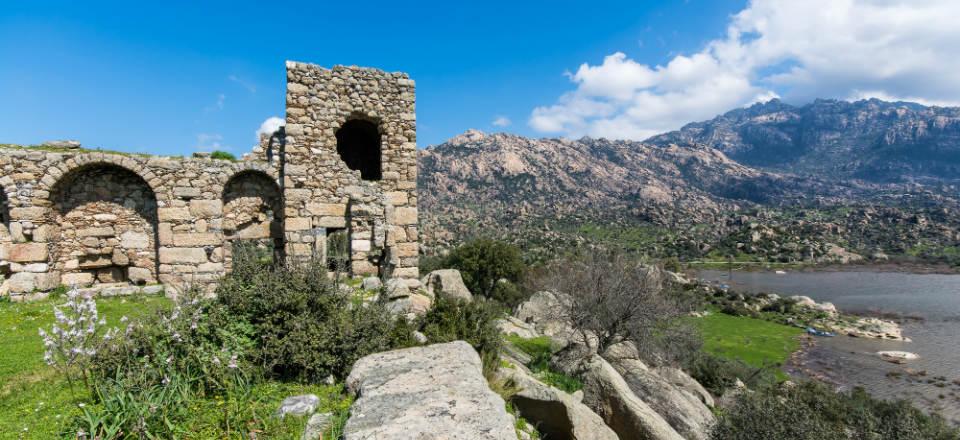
(338, 182)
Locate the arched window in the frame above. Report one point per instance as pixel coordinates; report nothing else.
(358, 143)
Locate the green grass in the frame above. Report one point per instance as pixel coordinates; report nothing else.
(540, 349)
(756, 342)
(35, 401)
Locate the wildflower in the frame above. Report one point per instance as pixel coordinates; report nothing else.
(123, 318)
(233, 362)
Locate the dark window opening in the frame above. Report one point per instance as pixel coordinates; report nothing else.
(338, 250)
(4, 210)
(358, 143)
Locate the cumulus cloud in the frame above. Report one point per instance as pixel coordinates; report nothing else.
(270, 125)
(501, 121)
(846, 49)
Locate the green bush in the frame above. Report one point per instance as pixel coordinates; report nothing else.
(718, 374)
(304, 328)
(475, 322)
(223, 155)
(484, 265)
(811, 411)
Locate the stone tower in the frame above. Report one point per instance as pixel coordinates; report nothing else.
(349, 167)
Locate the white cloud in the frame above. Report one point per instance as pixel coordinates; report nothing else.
(270, 125)
(501, 121)
(209, 141)
(243, 83)
(847, 49)
(218, 105)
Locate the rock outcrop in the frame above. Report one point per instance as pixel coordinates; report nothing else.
(422, 393)
(684, 411)
(447, 283)
(555, 413)
(610, 396)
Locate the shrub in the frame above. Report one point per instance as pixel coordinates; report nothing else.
(484, 264)
(304, 328)
(475, 322)
(812, 411)
(609, 298)
(223, 155)
(718, 374)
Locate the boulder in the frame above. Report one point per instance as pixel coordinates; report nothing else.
(516, 327)
(690, 417)
(432, 392)
(609, 395)
(318, 423)
(298, 405)
(447, 283)
(372, 283)
(555, 413)
(544, 311)
(684, 382)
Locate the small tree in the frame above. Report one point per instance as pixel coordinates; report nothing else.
(608, 299)
(484, 264)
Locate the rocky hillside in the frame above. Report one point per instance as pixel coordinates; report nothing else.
(687, 201)
(871, 139)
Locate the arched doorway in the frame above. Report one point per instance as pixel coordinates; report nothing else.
(107, 219)
(358, 143)
(253, 216)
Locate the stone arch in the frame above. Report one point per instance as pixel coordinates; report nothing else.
(253, 213)
(104, 217)
(359, 145)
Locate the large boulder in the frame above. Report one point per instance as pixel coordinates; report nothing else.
(682, 380)
(609, 395)
(684, 411)
(545, 312)
(432, 392)
(555, 413)
(447, 283)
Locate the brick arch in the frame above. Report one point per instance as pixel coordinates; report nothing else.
(253, 212)
(105, 217)
(358, 136)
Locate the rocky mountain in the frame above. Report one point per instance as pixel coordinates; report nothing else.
(668, 200)
(870, 139)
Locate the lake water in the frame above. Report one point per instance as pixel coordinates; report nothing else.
(846, 361)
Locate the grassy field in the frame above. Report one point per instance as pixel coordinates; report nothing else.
(756, 342)
(37, 403)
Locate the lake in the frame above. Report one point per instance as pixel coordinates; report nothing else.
(933, 298)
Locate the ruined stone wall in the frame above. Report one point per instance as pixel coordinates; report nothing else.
(93, 218)
(80, 218)
(322, 193)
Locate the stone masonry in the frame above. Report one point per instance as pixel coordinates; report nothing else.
(345, 162)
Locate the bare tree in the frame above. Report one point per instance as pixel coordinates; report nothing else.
(608, 298)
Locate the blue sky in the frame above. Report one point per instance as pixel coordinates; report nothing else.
(170, 78)
(177, 77)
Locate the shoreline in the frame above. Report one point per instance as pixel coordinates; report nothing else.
(887, 267)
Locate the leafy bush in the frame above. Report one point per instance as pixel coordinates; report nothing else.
(484, 264)
(304, 328)
(223, 155)
(475, 322)
(718, 374)
(814, 412)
